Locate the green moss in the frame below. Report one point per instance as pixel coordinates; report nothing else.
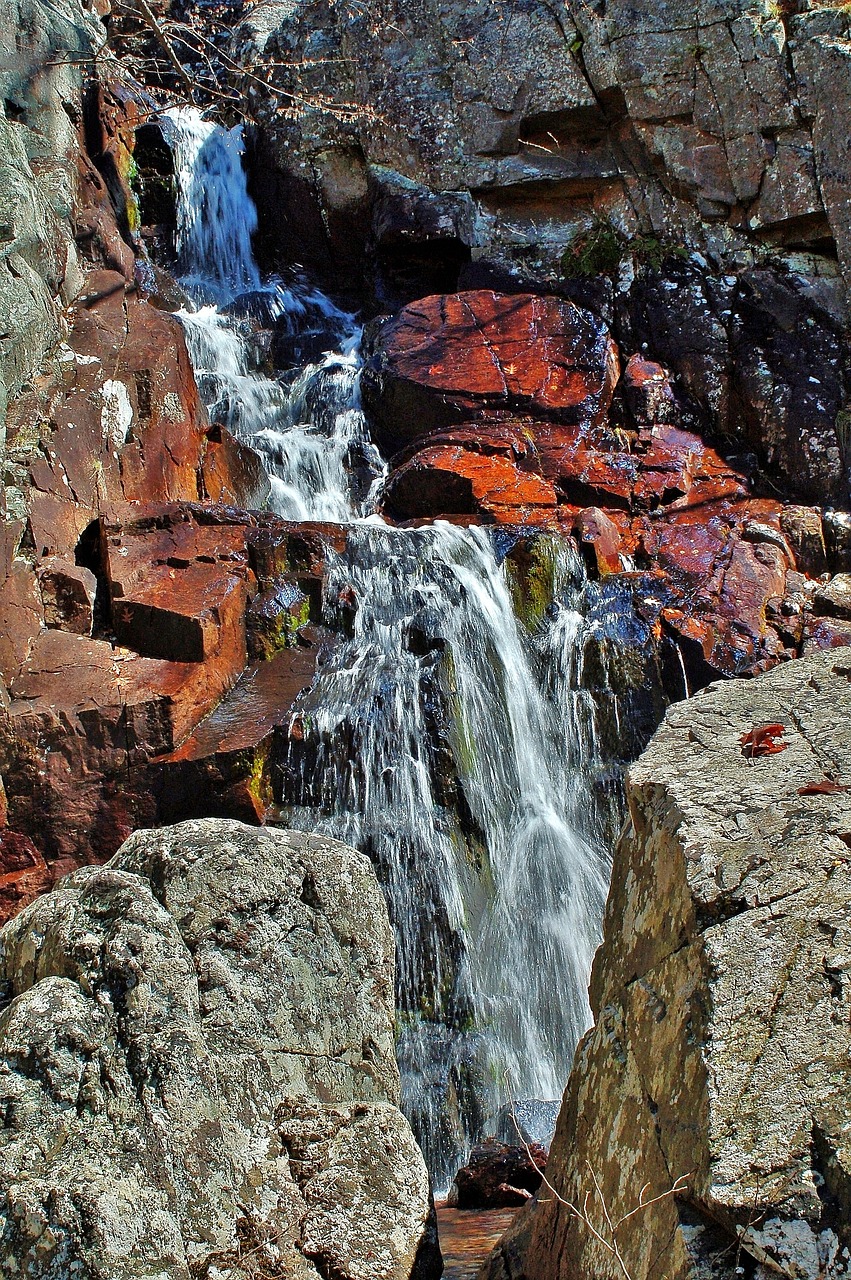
(531, 571)
(602, 249)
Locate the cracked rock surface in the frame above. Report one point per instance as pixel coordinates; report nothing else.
(722, 999)
(197, 1069)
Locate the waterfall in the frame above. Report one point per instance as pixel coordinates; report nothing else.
(441, 735)
(430, 741)
(309, 429)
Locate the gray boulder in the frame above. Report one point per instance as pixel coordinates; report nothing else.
(721, 1053)
(197, 1069)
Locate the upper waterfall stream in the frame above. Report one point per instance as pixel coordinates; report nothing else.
(441, 736)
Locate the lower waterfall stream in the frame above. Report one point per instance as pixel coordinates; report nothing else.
(442, 736)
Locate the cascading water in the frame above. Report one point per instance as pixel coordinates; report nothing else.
(309, 429)
(440, 736)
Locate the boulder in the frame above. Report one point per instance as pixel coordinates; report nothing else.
(456, 357)
(719, 1061)
(210, 1018)
(498, 1175)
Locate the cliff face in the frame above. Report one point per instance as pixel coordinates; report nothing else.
(198, 1068)
(721, 996)
(720, 123)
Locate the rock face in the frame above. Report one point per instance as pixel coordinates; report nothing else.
(719, 124)
(721, 996)
(508, 409)
(199, 1073)
(169, 710)
(678, 168)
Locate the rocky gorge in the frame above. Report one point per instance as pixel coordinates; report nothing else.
(390, 435)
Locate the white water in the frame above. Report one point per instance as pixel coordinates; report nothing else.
(311, 431)
(440, 737)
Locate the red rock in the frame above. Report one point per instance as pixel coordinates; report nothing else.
(68, 591)
(126, 424)
(601, 535)
(459, 356)
(24, 874)
(827, 633)
(223, 768)
(233, 473)
(449, 479)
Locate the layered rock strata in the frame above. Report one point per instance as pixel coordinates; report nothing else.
(198, 1069)
(513, 409)
(721, 1046)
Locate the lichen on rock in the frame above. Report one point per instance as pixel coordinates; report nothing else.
(721, 995)
(198, 1074)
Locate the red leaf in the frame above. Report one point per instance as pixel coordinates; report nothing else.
(763, 740)
(824, 787)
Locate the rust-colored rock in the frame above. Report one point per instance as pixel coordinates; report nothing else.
(600, 535)
(490, 470)
(460, 356)
(24, 874)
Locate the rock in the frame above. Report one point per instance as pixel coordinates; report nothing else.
(41, 91)
(24, 874)
(837, 536)
(721, 1045)
(648, 392)
(20, 618)
(487, 471)
(834, 597)
(212, 1015)
(456, 357)
(600, 535)
(803, 528)
(68, 591)
(498, 1176)
(669, 128)
(157, 717)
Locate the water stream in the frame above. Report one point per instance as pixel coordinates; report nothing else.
(442, 736)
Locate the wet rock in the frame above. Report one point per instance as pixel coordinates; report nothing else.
(267, 1111)
(455, 357)
(491, 471)
(138, 724)
(498, 1175)
(68, 591)
(720, 995)
(600, 535)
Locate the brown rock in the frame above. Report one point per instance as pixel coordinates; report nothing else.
(68, 591)
(648, 393)
(21, 618)
(458, 356)
(24, 874)
(601, 536)
(805, 533)
(498, 1176)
